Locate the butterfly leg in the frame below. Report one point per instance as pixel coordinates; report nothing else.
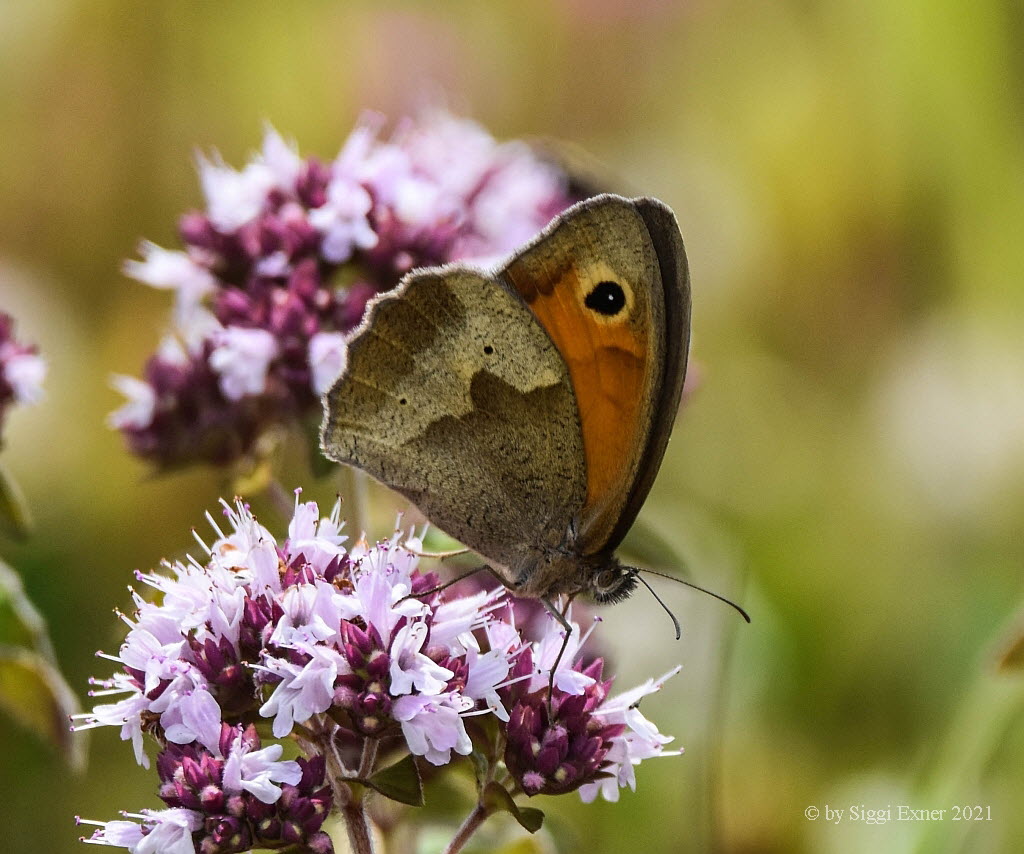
(560, 616)
(447, 584)
(436, 555)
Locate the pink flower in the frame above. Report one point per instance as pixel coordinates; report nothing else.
(173, 270)
(233, 795)
(235, 198)
(546, 652)
(242, 358)
(305, 689)
(126, 713)
(433, 726)
(318, 540)
(193, 716)
(25, 373)
(22, 369)
(639, 740)
(137, 411)
(257, 771)
(487, 672)
(342, 220)
(381, 594)
(342, 648)
(311, 613)
(410, 668)
(161, 832)
(249, 548)
(326, 359)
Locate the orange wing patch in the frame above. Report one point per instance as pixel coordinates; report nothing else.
(607, 357)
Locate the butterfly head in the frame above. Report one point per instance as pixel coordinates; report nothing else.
(611, 582)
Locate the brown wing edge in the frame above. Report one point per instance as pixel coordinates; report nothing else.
(675, 278)
(375, 304)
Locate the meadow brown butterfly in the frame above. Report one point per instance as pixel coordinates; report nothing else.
(526, 412)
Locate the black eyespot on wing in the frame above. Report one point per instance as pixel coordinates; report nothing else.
(606, 298)
(403, 401)
(488, 349)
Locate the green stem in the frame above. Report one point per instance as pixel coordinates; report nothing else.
(368, 758)
(468, 828)
(359, 838)
(349, 796)
(957, 766)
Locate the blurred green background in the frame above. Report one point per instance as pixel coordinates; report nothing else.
(849, 179)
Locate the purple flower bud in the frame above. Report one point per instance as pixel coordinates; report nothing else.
(320, 843)
(559, 751)
(196, 230)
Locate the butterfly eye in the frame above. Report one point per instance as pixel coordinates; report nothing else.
(606, 298)
(613, 584)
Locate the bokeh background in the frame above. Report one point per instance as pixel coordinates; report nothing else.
(849, 179)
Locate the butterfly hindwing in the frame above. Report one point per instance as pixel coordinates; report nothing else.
(454, 396)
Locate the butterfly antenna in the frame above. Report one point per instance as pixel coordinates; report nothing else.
(717, 596)
(657, 599)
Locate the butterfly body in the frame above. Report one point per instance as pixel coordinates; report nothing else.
(526, 411)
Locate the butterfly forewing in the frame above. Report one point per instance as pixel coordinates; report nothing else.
(594, 280)
(674, 278)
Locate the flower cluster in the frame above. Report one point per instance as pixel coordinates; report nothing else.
(22, 369)
(565, 732)
(281, 264)
(228, 798)
(341, 649)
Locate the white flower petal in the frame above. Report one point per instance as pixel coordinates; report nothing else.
(25, 373)
(242, 358)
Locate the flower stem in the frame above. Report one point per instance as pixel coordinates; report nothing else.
(986, 713)
(336, 775)
(469, 827)
(359, 838)
(348, 795)
(368, 758)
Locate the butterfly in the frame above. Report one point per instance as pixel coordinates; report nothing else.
(526, 411)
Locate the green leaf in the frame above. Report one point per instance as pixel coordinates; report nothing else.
(496, 799)
(14, 513)
(481, 765)
(530, 818)
(401, 782)
(32, 689)
(33, 692)
(21, 625)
